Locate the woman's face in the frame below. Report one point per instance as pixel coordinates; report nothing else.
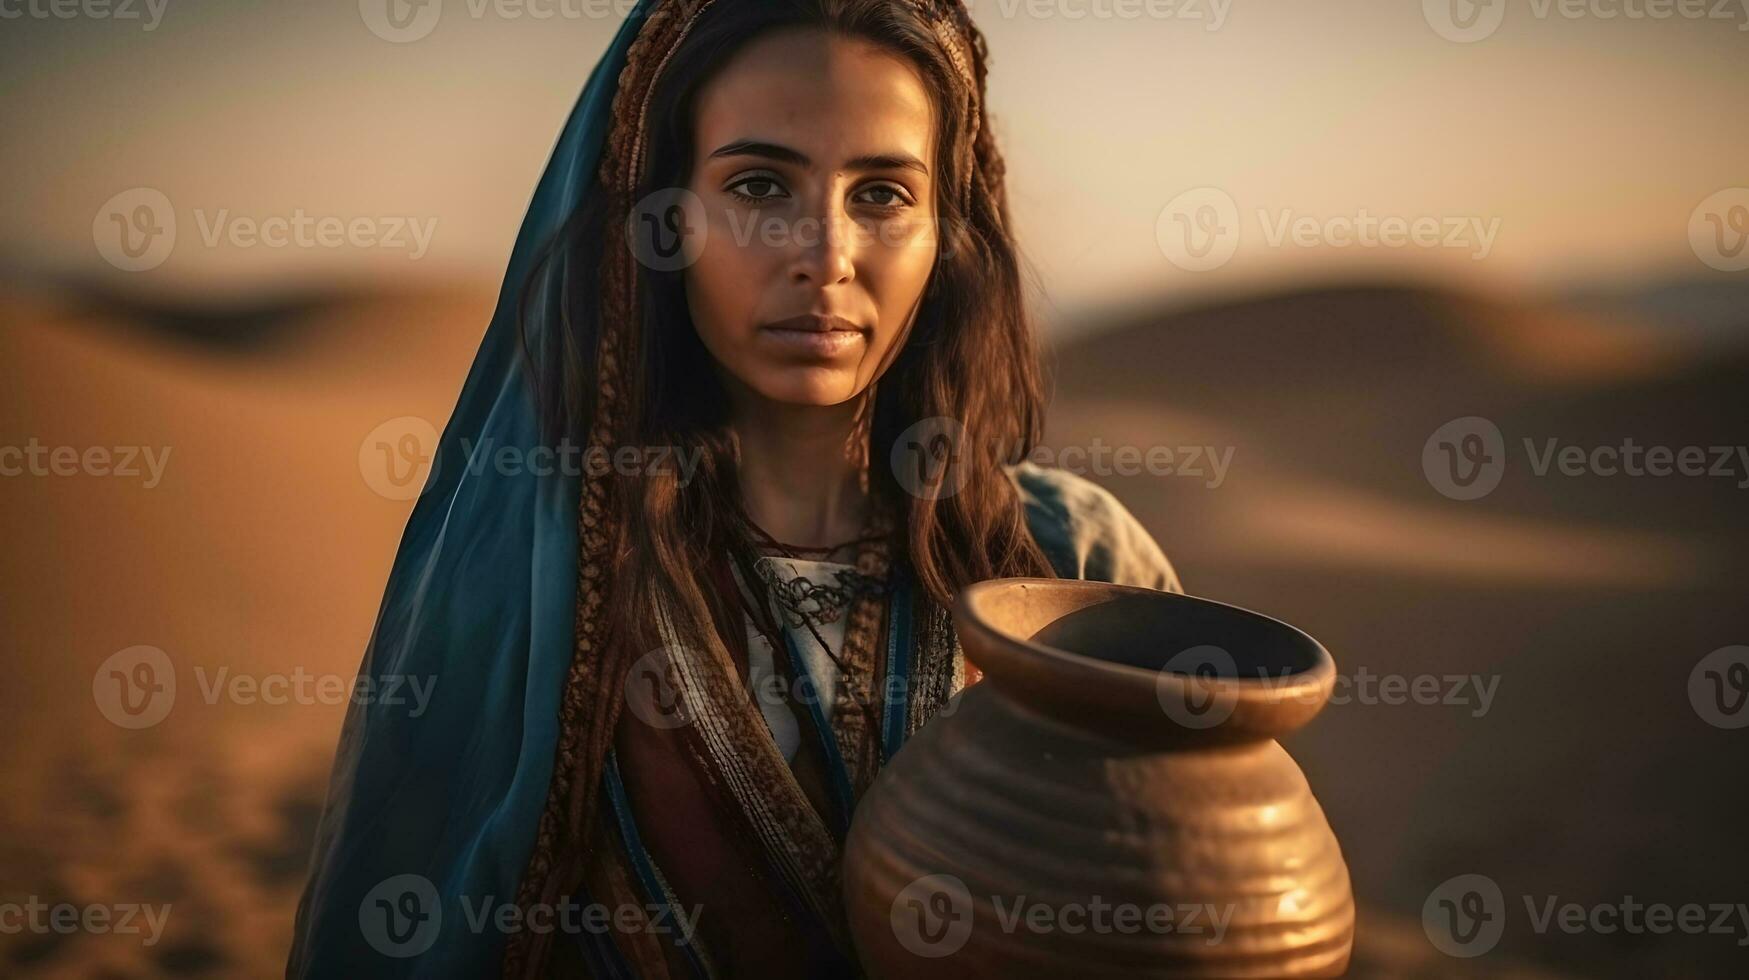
(814, 166)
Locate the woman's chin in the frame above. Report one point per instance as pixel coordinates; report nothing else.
(812, 384)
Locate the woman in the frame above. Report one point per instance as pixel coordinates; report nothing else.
(767, 305)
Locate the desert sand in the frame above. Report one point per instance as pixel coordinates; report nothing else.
(262, 551)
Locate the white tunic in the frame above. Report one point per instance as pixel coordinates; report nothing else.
(825, 602)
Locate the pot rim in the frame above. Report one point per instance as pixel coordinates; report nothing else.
(1050, 677)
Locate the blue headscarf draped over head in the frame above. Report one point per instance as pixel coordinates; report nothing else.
(430, 819)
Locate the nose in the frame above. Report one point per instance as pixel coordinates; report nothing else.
(823, 246)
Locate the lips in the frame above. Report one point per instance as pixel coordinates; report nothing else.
(813, 336)
(815, 323)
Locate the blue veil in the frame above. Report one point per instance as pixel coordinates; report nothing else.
(430, 820)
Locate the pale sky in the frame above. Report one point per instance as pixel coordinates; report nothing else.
(1557, 148)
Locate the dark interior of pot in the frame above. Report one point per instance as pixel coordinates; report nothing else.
(1153, 631)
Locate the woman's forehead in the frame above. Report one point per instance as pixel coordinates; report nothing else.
(831, 98)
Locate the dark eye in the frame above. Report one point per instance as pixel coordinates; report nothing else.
(887, 196)
(756, 189)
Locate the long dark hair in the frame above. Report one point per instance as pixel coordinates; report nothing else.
(972, 355)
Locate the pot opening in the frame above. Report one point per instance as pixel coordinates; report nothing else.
(1195, 638)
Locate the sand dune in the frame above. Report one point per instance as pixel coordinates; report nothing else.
(1586, 600)
(261, 552)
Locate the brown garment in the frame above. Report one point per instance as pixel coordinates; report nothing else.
(748, 922)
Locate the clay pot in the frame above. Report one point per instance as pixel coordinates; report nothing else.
(1109, 802)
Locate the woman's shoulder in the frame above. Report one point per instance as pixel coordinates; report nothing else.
(1087, 533)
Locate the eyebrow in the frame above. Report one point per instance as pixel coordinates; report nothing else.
(784, 154)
